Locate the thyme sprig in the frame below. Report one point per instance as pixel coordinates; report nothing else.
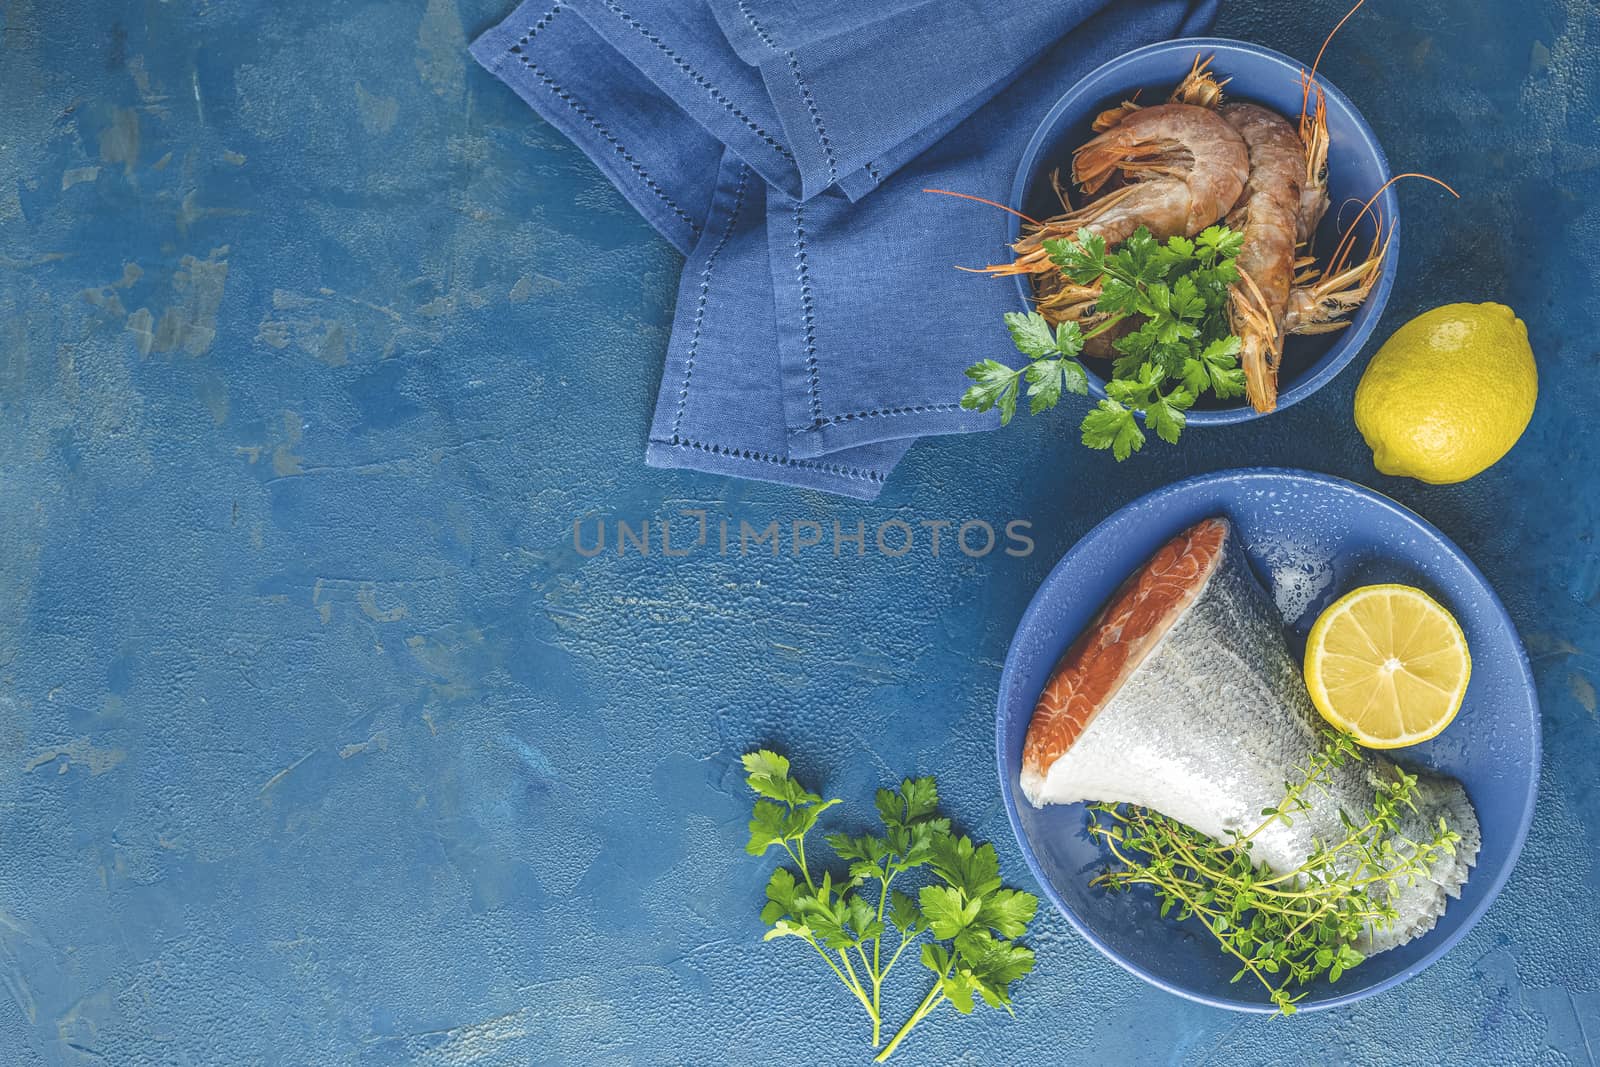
(1285, 929)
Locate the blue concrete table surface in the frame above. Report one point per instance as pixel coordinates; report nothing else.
(320, 743)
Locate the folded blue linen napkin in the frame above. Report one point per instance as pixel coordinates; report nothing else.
(783, 148)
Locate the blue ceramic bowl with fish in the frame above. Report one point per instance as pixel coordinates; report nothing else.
(1308, 538)
(1356, 170)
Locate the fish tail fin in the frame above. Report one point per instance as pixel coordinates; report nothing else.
(1420, 905)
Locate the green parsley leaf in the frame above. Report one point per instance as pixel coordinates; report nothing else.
(780, 896)
(996, 387)
(768, 774)
(1110, 425)
(891, 808)
(1031, 334)
(765, 763)
(1219, 242)
(799, 821)
(1008, 911)
(1139, 388)
(866, 847)
(785, 928)
(861, 917)
(1118, 297)
(921, 797)
(948, 910)
(767, 827)
(958, 989)
(973, 869)
(1083, 259)
(828, 924)
(1179, 247)
(1165, 415)
(1221, 362)
(1069, 339)
(1186, 302)
(904, 913)
(995, 962)
(1048, 377)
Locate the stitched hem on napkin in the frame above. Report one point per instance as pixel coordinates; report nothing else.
(682, 434)
(812, 427)
(710, 458)
(743, 123)
(507, 51)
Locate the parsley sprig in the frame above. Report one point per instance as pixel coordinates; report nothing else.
(1284, 929)
(971, 921)
(1176, 290)
(1055, 368)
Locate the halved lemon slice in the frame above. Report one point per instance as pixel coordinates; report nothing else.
(1389, 664)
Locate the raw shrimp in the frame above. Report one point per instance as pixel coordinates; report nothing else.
(1186, 168)
(1203, 89)
(1278, 210)
(1267, 217)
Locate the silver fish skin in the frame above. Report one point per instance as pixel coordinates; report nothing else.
(1209, 727)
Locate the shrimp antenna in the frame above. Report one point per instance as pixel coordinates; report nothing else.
(1347, 241)
(1305, 92)
(991, 203)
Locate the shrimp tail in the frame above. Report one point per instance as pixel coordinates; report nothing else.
(1098, 160)
(1200, 87)
(1111, 116)
(1260, 343)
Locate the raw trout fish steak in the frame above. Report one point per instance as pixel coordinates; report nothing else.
(1182, 697)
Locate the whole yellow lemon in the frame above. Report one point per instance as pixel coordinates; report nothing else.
(1449, 393)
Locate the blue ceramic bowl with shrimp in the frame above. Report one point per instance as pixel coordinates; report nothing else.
(1310, 538)
(1356, 170)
